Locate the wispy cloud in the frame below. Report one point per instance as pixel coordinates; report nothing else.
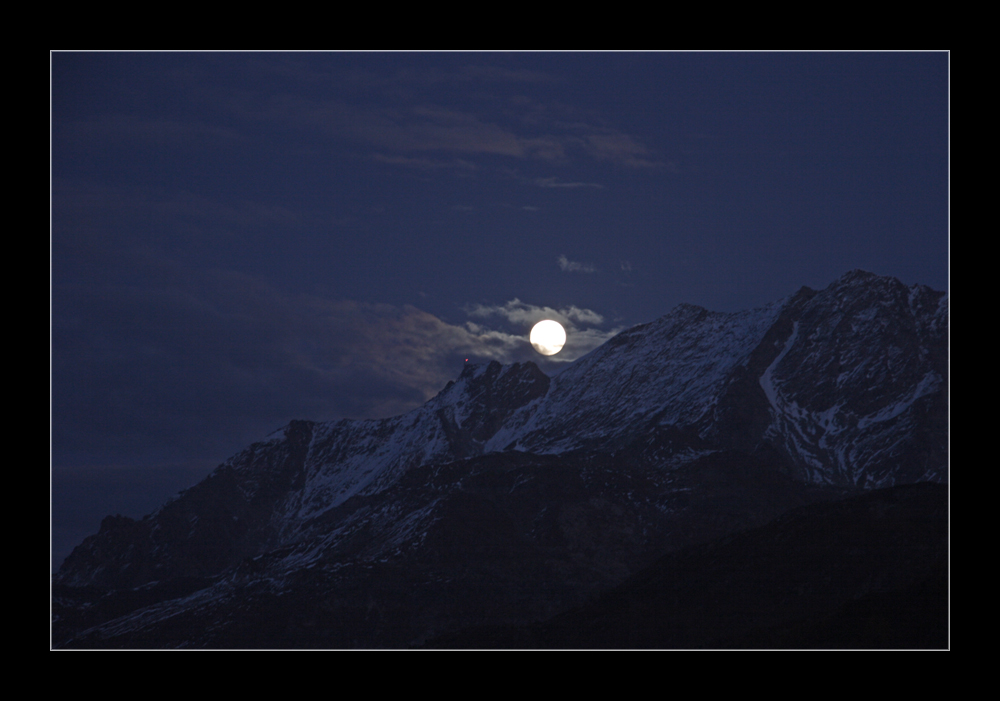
(521, 129)
(126, 130)
(86, 203)
(469, 74)
(401, 114)
(620, 149)
(425, 163)
(555, 182)
(572, 266)
(419, 128)
(581, 324)
(188, 362)
(520, 313)
(233, 355)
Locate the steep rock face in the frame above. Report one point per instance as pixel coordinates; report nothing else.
(858, 391)
(492, 394)
(848, 384)
(670, 372)
(265, 495)
(510, 495)
(205, 529)
(350, 458)
(503, 537)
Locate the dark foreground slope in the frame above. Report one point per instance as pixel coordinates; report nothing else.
(865, 572)
(506, 538)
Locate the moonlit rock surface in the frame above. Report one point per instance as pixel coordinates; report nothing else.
(844, 387)
(848, 383)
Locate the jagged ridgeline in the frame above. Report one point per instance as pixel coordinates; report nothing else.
(511, 497)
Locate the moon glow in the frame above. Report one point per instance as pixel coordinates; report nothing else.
(548, 337)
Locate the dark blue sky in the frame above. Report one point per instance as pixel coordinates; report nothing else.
(243, 239)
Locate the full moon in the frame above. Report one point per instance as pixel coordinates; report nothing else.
(548, 337)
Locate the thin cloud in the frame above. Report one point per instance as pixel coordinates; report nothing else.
(419, 129)
(521, 131)
(401, 131)
(519, 126)
(236, 357)
(572, 266)
(620, 149)
(468, 74)
(293, 69)
(425, 163)
(582, 336)
(128, 129)
(555, 182)
(222, 358)
(583, 316)
(87, 201)
(522, 314)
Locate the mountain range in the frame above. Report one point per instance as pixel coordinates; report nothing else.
(513, 501)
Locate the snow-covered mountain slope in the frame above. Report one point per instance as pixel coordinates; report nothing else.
(858, 391)
(844, 387)
(262, 496)
(358, 457)
(499, 538)
(849, 384)
(670, 372)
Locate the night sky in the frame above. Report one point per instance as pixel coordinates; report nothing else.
(238, 240)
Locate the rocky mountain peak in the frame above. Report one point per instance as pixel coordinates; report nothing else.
(474, 408)
(683, 428)
(860, 277)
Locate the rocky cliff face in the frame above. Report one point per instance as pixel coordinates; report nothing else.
(509, 482)
(265, 495)
(858, 390)
(848, 384)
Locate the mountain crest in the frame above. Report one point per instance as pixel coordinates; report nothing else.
(475, 407)
(687, 427)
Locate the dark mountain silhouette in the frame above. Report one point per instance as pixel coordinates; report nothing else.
(512, 497)
(868, 571)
